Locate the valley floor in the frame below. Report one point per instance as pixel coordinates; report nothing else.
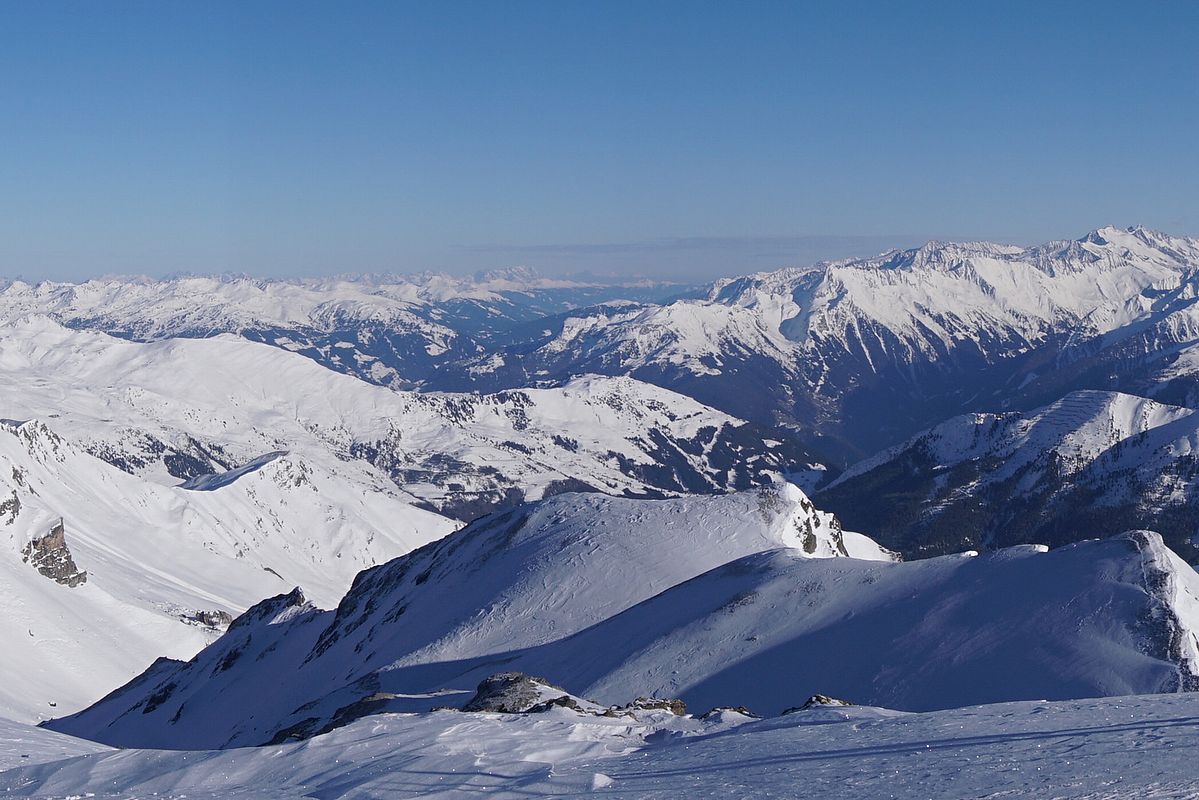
(1124, 747)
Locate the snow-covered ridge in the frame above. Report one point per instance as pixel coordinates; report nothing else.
(105, 571)
(611, 600)
(514, 580)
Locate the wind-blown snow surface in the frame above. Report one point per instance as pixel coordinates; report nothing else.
(1123, 748)
(1093, 461)
(23, 745)
(513, 580)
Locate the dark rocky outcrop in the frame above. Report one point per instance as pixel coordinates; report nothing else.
(10, 508)
(676, 707)
(818, 701)
(211, 619)
(510, 693)
(715, 712)
(50, 556)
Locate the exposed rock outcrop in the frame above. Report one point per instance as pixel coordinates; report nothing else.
(50, 556)
(511, 693)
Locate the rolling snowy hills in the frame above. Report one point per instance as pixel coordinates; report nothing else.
(179, 408)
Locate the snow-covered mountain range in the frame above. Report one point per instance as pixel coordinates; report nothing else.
(179, 408)
(867, 351)
(149, 491)
(387, 329)
(857, 354)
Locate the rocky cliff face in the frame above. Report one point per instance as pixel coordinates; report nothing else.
(50, 556)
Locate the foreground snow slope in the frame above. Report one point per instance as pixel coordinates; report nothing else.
(1096, 461)
(1121, 748)
(518, 579)
(22, 745)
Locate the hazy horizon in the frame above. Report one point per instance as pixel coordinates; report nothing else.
(667, 261)
(671, 139)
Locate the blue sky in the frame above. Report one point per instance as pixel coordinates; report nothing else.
(683, 139)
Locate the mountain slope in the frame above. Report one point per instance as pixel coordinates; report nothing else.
(386, 329)
(1099, 462)
(518, 579)
(1117, 616)
(105, 571)
(176, 409)
(868, 351)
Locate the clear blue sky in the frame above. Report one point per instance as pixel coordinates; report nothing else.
(689, 139)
